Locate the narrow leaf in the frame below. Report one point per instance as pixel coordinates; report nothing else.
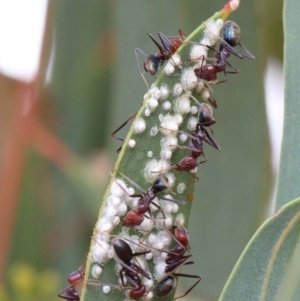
(147, 152)
(264, 262)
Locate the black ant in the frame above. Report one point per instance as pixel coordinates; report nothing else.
(231, 35)
(70, 293)
(136, 216)
(176, 258)
(168, 46)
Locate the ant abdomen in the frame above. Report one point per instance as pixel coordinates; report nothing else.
(160, 184)
(151, 64)
(231, 33)
(209, 72)
(165, 287)
(122, 250)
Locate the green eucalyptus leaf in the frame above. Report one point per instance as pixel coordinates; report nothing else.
(144, 156)
(259, 272)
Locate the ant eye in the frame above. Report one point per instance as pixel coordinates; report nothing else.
(231, 33)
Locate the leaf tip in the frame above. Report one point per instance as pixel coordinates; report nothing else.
(231, 6)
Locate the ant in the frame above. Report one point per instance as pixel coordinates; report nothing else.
(200, 134)
(168, 46)
(231, 36)
(135, 217)
(205, 118)
(130, 270)
(70, 293)
(175, 259)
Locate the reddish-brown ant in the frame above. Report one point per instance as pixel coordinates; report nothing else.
(168, 46)
(135, 217)
(231, 36)
(129, 270)
(175, 259)
(71, 293)
(124, 252)
(205, 119)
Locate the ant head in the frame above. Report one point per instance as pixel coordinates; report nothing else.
(151, 64)
(181, 235)
(160, 184)
(231, 33)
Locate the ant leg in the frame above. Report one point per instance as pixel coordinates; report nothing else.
(210, 98)
(161, 49)
(182, 34)
(181, 261)
(167, 45)
(133, 183)
(129, 268)
(210, 140)
(179, 131)
(248, 54)
(159, 208)
(165, 41)
(118, 129)
(121, 276)
(137, 50)
(235, 70)
(213, 102)
(196, 180)
(188, 276)
(180, 202)
(202, 57)
(114, 286)
(130, 195)
(220, 81)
